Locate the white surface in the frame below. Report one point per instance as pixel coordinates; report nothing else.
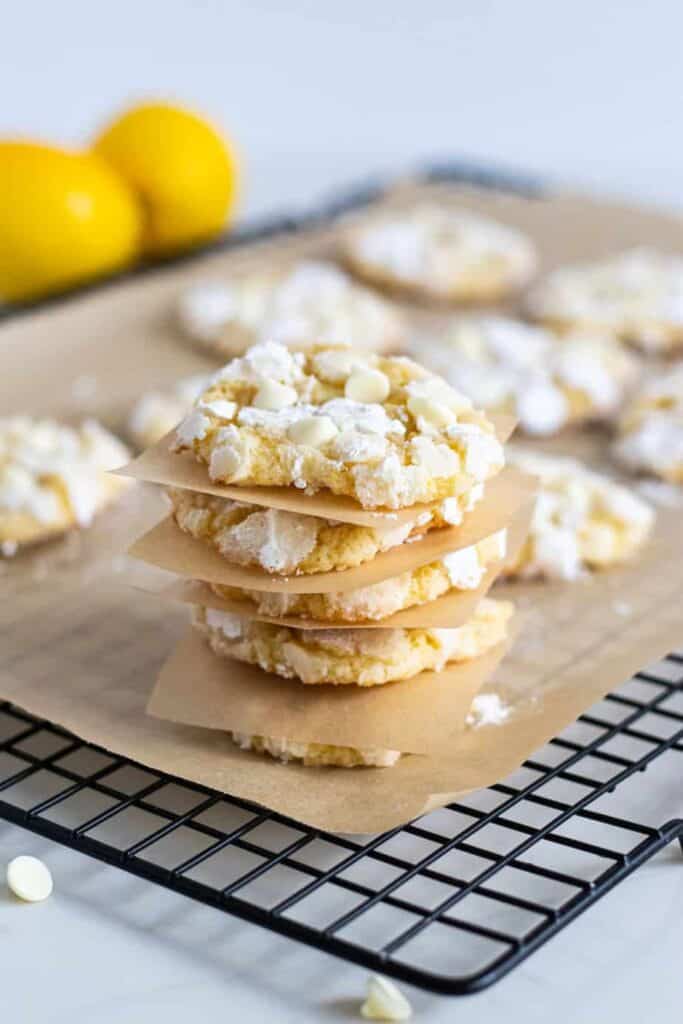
(318, 94)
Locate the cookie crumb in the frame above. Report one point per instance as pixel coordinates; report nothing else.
(487, 709)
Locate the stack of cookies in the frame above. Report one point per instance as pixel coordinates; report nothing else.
(338, 517)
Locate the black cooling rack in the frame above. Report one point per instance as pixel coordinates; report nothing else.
(450, 903)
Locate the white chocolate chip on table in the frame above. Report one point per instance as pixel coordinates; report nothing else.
(545, 381)
(583, 520)
(385, 1001)
(29, 878)
(54, 478)
(383, 453)
(636, 295)
(310, 301)
(438, 252)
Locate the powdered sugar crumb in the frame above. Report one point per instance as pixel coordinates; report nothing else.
(487, 709)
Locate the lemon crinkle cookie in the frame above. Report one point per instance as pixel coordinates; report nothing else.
(378, 429)
(317, 755)
(636, 295)
(156, 413)
(439, 252)
(460, 570)
(288, 542)
(651, 428)
(546, 382)
(54, 477)
(364, 657)
(309, 301)
(582, 520)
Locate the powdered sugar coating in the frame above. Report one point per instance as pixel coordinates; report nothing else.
(546, 382)
(636, 295)
(439, 251)
(287, 542)
(312, 301)
(380, 453)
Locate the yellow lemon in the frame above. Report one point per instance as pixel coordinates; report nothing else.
(65, 216)
(183, 171)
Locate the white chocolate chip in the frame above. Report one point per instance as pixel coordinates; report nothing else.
(220, 408)
(367, 386)
(335, 365)
(435, 413)
(312, 431)
(29, 879)
(192, 428)
(275, 396)
(385, 1001)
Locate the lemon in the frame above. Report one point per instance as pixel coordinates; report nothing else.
(183, 171)
(65, 216)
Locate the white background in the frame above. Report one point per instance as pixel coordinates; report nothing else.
(316, 93)
(319, 94)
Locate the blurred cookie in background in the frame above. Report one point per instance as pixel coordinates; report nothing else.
(636, 296)
(437, 252)
(546, 382)
(651, 427)
(157, 412)
(54, 478)
(583, 521)
(310, 301)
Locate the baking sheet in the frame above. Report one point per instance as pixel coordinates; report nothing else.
(83, 650)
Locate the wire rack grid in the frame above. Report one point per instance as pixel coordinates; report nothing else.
(450, 903)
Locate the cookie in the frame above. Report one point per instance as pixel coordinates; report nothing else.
(53, 478)
(635, 295)
(289, 543)
(651, 428)
(316, 755)
(381, 430)
(156, 413)
(459, 570)
(582, 520)
(362, 657)
(311, 301)
(546, 382)
(437, 252)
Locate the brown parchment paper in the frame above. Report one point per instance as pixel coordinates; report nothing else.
(81, 649)
(159, 465)
(168, 547)
(419, 716)
(446, 612)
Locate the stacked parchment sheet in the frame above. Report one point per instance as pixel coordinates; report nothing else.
(337, 520)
